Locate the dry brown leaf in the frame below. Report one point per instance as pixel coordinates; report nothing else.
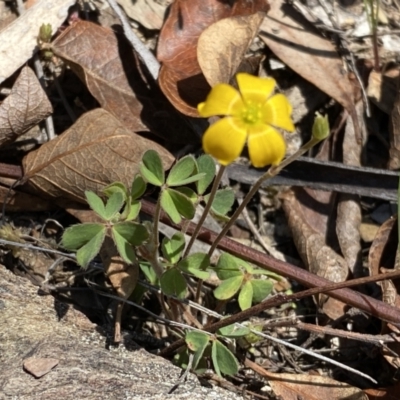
(181, 78)
(39, 366)
(107, 66)
(313, 387)
(348, 219)
(96, 151)
(219, 59)
(26, 106)
(300, 47)
(308, 212)
(384, 256)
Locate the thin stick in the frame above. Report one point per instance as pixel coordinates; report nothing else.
(144, 53)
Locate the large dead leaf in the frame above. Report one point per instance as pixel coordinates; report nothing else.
(219, 59)
(298, 45)
(307, 387)
(96, 151)
(105, 62)
(26, 106)
(313, 387)
(181, 78)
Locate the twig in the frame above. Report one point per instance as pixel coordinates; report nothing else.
(144, 53)
(40, 75)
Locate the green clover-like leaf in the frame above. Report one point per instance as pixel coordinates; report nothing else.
(261, 289)
(222, 202)
(96, 204)
(135, 234)
(138, 187)
(229, 266)
(173, 283)
(228, 288)
(113, 205)
(223, 360)
(77, 236)
(116, 187)
(172, 249)
(197, 343)
(245, 296)
(177, 205)
(181, 171)
(90, 250)
(205, 165)
(196, 264)
(233, 331)
(151, 168)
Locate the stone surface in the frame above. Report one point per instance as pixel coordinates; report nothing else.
(30, 328)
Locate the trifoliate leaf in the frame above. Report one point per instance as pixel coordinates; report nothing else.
(205, 164)
(151, 168)
(223, 360)
(261, 289)
(116, 187)
(173, 283)
(228, 288)
(245, 296)
(172, 249)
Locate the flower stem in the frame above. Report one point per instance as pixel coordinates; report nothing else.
(269, 174)
(214, 189)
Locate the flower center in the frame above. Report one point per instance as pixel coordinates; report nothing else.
(251, 113)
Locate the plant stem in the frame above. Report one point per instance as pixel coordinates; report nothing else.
(214, 189)
(269, 174)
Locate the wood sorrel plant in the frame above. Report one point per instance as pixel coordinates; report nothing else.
(251, 115)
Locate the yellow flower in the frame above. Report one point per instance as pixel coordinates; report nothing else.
(250, 115)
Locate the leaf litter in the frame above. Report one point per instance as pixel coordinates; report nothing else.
(199, 45)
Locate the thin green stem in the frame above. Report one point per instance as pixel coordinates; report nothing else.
(269, 174)
(214, 189)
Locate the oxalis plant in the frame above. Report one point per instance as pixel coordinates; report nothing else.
(252, 116)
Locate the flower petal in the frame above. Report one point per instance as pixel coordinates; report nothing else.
(254, 89)
(266, 146)
(222, 100)
(225, 139)
(276, 112)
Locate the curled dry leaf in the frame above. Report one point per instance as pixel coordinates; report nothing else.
(300, 47)
(384, 255)
(96, 151)
(219, 59)
(307, 211)
(394, 151)
(181, 78)
(26, 106)
(348, 219)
